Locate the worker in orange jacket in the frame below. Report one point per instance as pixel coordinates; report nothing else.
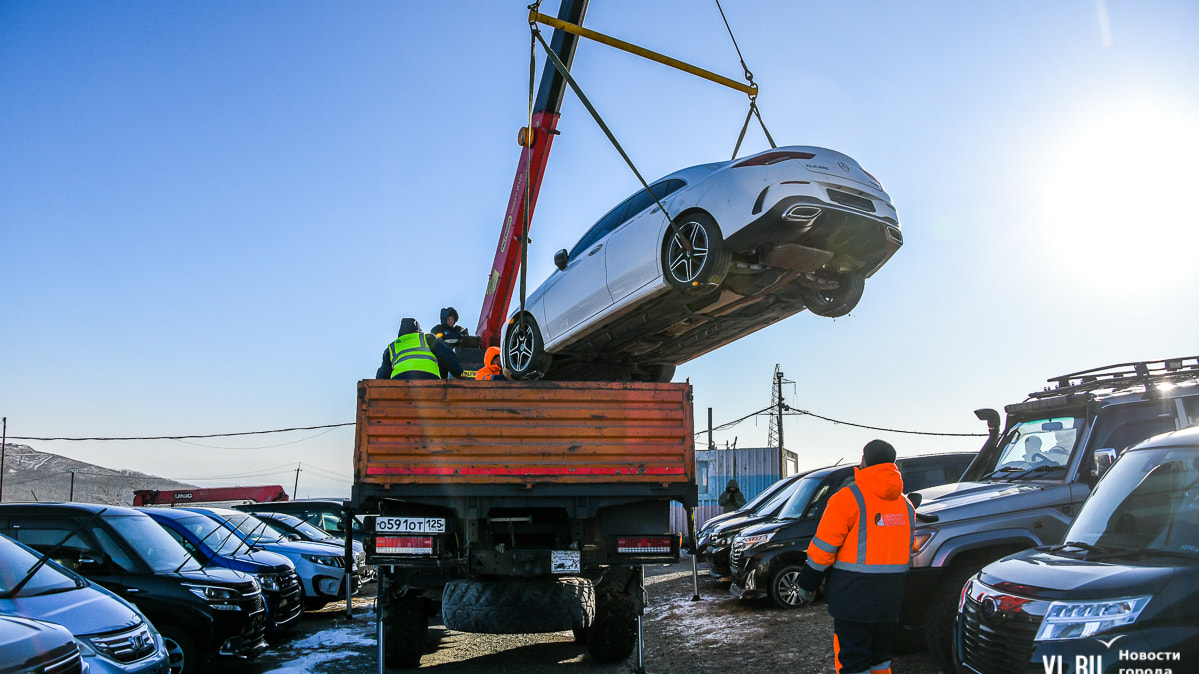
(491, 370)
(862, 548)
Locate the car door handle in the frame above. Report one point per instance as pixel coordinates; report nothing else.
(595, 250)
(132, 590)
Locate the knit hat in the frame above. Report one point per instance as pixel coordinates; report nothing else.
(876, 452)
(408, 326)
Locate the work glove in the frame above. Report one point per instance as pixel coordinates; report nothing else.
(805, 596)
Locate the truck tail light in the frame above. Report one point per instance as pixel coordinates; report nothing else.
(643, 544)
(404, 545)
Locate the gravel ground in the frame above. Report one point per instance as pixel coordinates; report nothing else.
(716, 633)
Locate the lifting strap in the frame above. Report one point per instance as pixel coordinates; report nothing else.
(753, 98)
(565, 73)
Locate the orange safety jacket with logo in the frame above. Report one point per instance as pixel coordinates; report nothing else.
(863, 545)
(491, 365)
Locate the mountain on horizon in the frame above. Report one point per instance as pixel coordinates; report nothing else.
(31, 475)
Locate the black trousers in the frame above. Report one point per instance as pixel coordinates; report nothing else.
(862, 647)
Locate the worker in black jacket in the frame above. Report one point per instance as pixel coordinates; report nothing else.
(448, 329)
(416, 355)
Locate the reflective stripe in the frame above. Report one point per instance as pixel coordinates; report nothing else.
(870, 568)
(857, 494)
(818, 567)
(827, 547)
(911, 528)
(411, 353)
(881, 667)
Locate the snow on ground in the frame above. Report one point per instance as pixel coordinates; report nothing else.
(326, 646)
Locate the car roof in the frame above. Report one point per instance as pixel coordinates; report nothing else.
(1186, 436)
(73, 508)
(170, 513)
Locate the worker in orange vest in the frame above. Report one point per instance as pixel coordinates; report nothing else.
(491, 369)
(862, 548)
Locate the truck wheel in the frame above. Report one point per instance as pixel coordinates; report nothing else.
(614, 635)
(938, 629)
(403, 626)
(518, 606)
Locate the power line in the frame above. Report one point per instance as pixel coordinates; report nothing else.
(791, 411)
(188, 437)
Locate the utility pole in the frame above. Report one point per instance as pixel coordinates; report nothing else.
(295, 491)
(71, 498)
(3, 446)
(774, 433)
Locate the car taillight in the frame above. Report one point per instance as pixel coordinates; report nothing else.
(774, 158)
(404, 545)
(642, 544)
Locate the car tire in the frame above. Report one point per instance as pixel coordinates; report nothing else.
(836, 302)
(516, 606)
(524, 354)
(182, 655)
(938, 630)
(613, 636)
(701, 269)
(403, 627)
(784, 587)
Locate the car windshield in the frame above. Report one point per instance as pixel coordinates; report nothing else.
(15, 562)
(766, 493)
(220, 539)
(1039, 448)
(776, 500)
(303, 528)
(252, 530)
(1147, 501)
(800, 498)
(152, 544)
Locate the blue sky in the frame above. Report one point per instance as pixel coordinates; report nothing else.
(213, 215)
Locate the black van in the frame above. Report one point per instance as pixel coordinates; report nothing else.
(1121, 593)
(200, 612)
(766, 558)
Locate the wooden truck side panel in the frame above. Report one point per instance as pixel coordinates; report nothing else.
(488, 432)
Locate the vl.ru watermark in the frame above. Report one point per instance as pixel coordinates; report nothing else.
(1138, 662)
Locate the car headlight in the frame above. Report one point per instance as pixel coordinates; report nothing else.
(270, 583)
(325, 560)
(213, 592)
(748, 542)
(1080, 619)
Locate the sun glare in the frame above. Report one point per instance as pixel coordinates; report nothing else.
(1120, 196)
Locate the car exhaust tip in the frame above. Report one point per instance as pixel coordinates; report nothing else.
(894, 235)
(803, 214)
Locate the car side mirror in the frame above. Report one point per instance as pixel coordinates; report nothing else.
(90, 561)
(1104, 458)
(916, 499)
(294, 537)
(560, 259)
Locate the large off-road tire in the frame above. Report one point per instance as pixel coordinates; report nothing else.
(518, 606)
(784, 587)
(699, 264)
(524, 355)
(183, 657)
(403, 626)
(613, 636)
(938, 630)
(835, 302)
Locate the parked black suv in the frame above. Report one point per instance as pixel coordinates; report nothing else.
(200, 612)
(1120, 594)
(766, 558)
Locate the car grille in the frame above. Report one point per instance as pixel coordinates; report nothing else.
(128, 646)
(71, 663)
(735, 556)
(851, 200)
(996, 646)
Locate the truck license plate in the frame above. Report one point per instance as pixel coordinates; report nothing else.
(410, 525)
(564, 561)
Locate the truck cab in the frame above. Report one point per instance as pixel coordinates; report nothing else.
(1028, 482)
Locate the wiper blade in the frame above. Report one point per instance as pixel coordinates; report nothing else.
(1005, 469)
(42, 560)
(1045, 467)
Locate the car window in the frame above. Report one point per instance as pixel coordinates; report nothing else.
(210, 533)
(150, 543)
(819, 500)
(118, 556)
(1126, 425)
(599, 230)
(1041, 442)
(44, 535)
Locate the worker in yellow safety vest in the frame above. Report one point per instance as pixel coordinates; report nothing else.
(416, 355)
(862, 549)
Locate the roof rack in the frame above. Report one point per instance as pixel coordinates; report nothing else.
(1123, 375)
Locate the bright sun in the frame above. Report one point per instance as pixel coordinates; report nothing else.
(1121, 196)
